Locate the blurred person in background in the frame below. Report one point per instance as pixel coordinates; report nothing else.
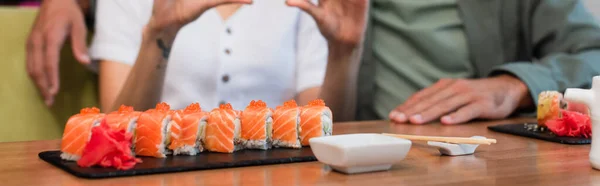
(458, 60)
(182, 52)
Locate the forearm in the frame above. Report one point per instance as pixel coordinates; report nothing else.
(143, 86)
(555, 72)
(339, 87)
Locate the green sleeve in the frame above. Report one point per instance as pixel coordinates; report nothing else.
(566, 44)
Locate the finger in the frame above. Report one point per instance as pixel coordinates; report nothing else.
(36, 46)
(432, 101)
(398, 115)
(199, 7)
(306, 6)
(214, 3)
(464, 114)
(444, 107)
(31, 41)
(78, 41)
(54, 40)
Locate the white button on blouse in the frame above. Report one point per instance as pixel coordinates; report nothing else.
(266, 51)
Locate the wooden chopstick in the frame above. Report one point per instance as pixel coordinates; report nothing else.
(455, 140)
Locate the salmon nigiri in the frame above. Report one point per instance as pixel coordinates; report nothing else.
(257, 126)
(223, 130)
(151, 132)
(315, 121)
(191, 132)
(78, 132)
(123, 119)
(286, 125)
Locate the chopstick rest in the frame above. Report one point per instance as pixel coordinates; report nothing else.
(451, 149)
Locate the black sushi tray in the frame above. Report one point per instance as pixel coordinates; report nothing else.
(170, 164)
(529, 130)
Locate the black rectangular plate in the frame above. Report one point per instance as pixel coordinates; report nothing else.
(203, 161)
(521, 130)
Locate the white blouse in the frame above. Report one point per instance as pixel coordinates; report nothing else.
(266, 51)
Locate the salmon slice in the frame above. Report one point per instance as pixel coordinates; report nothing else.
(175, 129)
(257, 126)
(151, 132)
(78, 131)
(315, 121)
(192, 131)
(286, 125)
(123, 119)
(223, 130)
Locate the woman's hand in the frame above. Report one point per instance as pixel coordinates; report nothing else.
(171, 15)
(342, 22)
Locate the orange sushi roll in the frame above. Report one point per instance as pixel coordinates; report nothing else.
(286, 125)
(191, 132)
(223, 130)
(151, 132)
(257, 126)
(315, 120)
(78, 131)
(123, 119)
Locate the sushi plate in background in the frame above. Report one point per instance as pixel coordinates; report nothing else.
(526, 130)
(171, 164)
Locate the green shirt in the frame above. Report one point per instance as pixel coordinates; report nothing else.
(415, 43)
(547, 44)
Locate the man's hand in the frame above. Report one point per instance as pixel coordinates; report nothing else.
(342, 23)
(56, 19)
(459, 100)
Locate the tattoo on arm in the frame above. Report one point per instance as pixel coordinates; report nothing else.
(166, 51)
(160, 66)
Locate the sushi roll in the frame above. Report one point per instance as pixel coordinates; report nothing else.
(191, 131)
(123, 119)
(549, 105)
(286, 125)
(223, 130)
(257, 126)
(315, 121)
(78, 131)
(152, 132)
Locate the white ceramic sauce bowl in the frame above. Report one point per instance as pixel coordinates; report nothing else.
(358, 153)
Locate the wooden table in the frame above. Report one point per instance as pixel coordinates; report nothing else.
(513, 160)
